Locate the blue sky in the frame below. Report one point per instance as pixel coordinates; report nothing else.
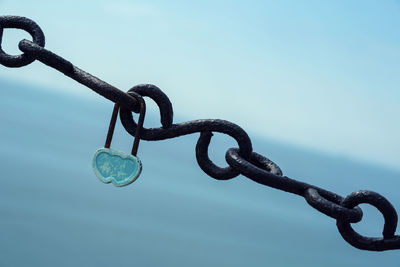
(317, 74)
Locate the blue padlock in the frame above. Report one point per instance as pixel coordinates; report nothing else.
(113, 166)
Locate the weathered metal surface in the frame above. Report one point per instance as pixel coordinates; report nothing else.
(241, 160)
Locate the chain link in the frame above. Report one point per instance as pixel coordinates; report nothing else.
(242, 160)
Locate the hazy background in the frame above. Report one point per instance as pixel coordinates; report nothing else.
(314, 83)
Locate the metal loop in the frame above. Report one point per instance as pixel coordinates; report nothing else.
(158, 96)
(22, 23)
(241, 137)
(254, 162)
(389, 240)
(265, 163)
(330, 208)
(258, 169)
(207, 165)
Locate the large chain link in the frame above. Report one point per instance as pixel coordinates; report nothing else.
(242, 160)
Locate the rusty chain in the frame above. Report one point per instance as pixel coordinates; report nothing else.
(242, 160)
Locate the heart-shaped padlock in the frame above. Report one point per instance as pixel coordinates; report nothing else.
(112, 166)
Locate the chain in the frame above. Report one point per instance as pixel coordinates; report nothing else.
(242, 160)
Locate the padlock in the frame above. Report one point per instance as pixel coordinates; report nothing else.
(113, 166)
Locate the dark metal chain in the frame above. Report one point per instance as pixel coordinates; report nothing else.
(242, 160)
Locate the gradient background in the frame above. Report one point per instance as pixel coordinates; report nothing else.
(314, 83)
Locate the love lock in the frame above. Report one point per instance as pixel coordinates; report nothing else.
(115, 166)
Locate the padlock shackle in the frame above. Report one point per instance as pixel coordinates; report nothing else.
(112, 126)
(113, 121)
(139, 127)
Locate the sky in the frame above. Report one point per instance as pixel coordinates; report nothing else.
(322, 75)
